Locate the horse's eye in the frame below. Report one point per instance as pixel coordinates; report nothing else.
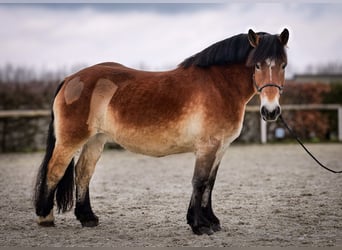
(283, 65)
(258, 66)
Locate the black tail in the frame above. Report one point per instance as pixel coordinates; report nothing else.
(65, 189)
(43, 198)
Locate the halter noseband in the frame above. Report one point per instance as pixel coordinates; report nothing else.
(259, 89)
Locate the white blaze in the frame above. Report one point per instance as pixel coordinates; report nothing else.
(269, 105)
(270, 63)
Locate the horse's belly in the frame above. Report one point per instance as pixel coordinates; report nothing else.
(157, 144)
(158, 150)
(160, 140)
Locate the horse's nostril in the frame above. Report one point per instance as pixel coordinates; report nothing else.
(263, 111)
(270, 115)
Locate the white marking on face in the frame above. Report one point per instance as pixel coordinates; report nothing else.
(269, 105)
(270, 63)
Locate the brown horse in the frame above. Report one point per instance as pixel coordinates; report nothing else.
(198, 107)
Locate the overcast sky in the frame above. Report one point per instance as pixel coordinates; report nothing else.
(159, 36)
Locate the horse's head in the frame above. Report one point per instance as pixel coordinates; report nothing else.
(268, 57)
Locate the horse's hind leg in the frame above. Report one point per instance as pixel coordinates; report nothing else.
(61, 160)
(200, 214)
(85, 167)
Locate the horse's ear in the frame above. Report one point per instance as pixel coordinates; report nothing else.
(284, 36)
(253, 38)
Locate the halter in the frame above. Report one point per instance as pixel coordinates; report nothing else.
(259, 89)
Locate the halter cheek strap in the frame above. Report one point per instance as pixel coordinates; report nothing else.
(259, 89)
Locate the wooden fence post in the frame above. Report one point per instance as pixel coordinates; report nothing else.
(263, 131)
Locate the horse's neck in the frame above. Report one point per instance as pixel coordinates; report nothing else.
(234, 80)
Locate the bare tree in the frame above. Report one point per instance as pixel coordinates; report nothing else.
(325, 68)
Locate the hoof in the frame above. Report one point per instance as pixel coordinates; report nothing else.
(47, 221)
(216, 227)
(202, 230)
(90, 222)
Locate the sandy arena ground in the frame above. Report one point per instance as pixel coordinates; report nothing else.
(272, 195)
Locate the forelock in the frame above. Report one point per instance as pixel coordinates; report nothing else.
(269, 47)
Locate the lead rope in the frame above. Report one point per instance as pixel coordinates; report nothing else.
(294, 135)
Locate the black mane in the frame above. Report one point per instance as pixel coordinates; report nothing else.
(237, 49)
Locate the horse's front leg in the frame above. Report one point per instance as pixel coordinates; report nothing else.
(84, 171)
(200, 214)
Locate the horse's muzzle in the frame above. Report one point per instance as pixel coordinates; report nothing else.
(270, 115)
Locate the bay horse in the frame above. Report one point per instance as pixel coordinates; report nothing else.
(198, 107)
